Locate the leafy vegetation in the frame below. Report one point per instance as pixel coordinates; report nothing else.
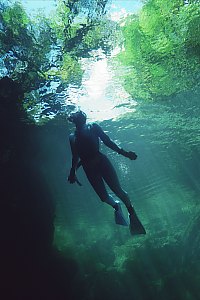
(24, 45)
(41, 53)
(162, 49)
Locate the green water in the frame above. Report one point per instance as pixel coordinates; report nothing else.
(59, 241)
(163, 185)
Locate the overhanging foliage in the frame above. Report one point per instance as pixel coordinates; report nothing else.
(162, 49)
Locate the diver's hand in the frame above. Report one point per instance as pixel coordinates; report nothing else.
(74, 179)
(71, 179)
(72, 176)
(130, 154)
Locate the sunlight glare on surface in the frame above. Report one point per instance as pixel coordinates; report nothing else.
(100, 97)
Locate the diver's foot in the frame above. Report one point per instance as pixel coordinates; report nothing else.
(119, 217)
(136, 226)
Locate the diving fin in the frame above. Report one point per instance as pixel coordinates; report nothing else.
(136, 226)
(119, 217)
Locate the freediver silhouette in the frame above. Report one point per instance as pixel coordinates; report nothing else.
(85, 144)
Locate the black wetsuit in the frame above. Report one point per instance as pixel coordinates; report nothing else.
(85, 145)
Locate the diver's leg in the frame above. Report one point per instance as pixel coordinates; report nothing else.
(98, 185)
(111, 178)
(96, 180)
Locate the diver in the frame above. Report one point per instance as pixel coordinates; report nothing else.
(85, 144)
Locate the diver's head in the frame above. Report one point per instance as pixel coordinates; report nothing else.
(78, 118)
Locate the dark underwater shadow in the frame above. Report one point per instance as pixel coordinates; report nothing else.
(30, 267)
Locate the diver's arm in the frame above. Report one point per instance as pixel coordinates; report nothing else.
(109, 143)
(75, 160)
(106, 140)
